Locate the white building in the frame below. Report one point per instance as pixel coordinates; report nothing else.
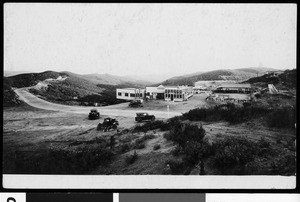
(178, 93)
(130, 93)
(156, 93)
(200, 89)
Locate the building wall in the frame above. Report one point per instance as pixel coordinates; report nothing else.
(178, 94)
(155, 92)
(130, 93)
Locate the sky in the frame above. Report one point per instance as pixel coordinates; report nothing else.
(148, 39)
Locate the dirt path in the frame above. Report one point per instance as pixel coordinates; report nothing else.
(34, 101)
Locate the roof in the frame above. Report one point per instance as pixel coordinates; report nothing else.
(178, 87)
(130, 89)
(235, 85)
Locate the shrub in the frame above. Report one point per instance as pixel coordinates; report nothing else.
(282, 118)
(227, 112)
(176, 151)
(263, 143)
(196, 150)
(158, 124)
(176, 166)
(139, 145)
(233, 151)
(63, 162)
(156, 147)
(131, 158)
(167, 136)
(125, 147)
(284, 165)
(182, 133)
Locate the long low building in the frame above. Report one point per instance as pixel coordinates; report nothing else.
(168, 93)
(130, 93)
(233, 88)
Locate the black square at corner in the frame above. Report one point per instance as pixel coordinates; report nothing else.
(69, 197)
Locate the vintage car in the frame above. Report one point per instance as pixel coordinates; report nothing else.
(144, 117)
(108, 123)
(94, 114)
(135, 103)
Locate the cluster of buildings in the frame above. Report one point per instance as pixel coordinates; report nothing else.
(215, 89)
(180, 93)
(167, 93)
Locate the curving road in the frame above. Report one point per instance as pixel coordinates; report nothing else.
(34, 101)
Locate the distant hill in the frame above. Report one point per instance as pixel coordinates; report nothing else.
(228, 74)
(13, 73)
(286, 80)
(67, 86)
(257, 70)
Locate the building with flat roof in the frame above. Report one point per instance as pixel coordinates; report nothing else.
(233, 88)
(156, 93)
(130, 93)
(178, 93)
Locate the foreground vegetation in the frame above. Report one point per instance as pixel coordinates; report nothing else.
(280, 118)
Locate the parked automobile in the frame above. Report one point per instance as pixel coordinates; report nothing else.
(94, 114)
(108, 123)
(135, 103)
(144, 117)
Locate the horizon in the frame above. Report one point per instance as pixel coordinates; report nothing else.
(148, 39)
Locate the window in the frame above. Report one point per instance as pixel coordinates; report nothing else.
(132, 95)
(126, 94)
(119, 94)
(141, 94)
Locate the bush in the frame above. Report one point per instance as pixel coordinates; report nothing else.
(284, 165)
(158, 124)
(167, 136)
(176, 166)
(139, 145)
(131, 158)
(227, 112)
(196, 150)
(176, 151)
(125, 147)
(156, 147)
(63, 162)
(282, 118)
(182, 133)
(233, 151)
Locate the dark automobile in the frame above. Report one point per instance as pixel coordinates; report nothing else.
(94, 114)
(135, 103)
(144, 117)
(108, 123)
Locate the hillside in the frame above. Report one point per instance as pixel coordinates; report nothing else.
(10, 99)
(71, 88)
(237, 75)
(287, 80)
(228, 74)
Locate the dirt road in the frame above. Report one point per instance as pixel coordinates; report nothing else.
(34, 101)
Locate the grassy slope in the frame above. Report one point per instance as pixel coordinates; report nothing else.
(10, 99)
(87, 88)
(211, 75)
(287, 80)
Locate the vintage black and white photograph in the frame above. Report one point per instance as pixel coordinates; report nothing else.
(158, 89)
